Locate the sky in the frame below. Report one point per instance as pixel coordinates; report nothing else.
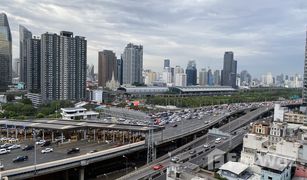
(265, 36)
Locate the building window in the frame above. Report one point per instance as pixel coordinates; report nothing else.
(270, 178)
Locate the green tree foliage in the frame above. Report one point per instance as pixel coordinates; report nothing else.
(239, 97)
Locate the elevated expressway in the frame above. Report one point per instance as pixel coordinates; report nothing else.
(146, 172)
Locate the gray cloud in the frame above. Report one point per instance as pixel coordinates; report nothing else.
(264, 35)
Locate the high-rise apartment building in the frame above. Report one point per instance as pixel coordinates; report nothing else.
(245, 78)
(5, 53)
(16, 67)
(33, 64)
(210, 78)
(203, 77)
(133, 64)
(229, 72)
(107, 67)
(90, 72)
(63, 66)
(150, 77)
(167, 63)
(191, 73)
(217, 78)
(181, 79)
(305, 76)
(120, 71)
(24, 35)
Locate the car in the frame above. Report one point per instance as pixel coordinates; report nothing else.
(175, 159)
(224, 138)
(93, 151)
(47, 150)
(6, 145)
(46, 143)
(157, 167)
(175, 125)
(14, 146)
(20, 158)
(192, 151)
(40, 142)
(4, 151)
(73, 150)
(218, 140)
(28, 147)
(206, 145)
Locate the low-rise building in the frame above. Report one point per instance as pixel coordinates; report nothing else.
(235, 171)
(274, 167)
(35, 98)
(78, 113)
(261, 128)
(296, 118)
(277, 132)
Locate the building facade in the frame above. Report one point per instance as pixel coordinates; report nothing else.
(24, 36)
(63, 66)
(107, 66)
(5, 53)
(229, 72)
(133, 64)
(120, 70)
(203, 77)
(191, 73)
(33, 64)
(305, 76)
(167, 63)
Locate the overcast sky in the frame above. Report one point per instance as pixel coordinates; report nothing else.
(264, 35)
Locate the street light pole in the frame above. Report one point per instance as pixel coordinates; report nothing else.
(34, 134)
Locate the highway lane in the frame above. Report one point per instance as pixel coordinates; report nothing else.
(60, 152)
(147, 170)
(183, 127)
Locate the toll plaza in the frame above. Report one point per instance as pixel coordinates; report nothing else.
(62, 131)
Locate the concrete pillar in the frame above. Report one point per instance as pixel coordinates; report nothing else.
(43, 134)
(62, 137)
(81, 174)
(94, 135)
(104, 135)
(25, 131)
(16, 133)
(84, 134)
(123, 137)
(113, 139)
(52, 136)
(133, 137)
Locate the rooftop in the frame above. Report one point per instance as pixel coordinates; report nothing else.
(205, 88)
(74, 109)
(274, 162)
(234, 167)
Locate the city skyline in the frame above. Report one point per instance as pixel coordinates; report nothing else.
(258, 39)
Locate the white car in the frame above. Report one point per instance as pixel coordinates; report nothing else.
(206, 145)
(47, 150)
(40, 142)
(14, 146)
(4, 151)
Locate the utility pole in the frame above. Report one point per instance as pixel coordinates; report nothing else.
(150, 144)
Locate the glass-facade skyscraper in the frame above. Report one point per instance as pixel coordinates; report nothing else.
(24, 35)
(5, 53)
(191, 73)
(229, 72)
